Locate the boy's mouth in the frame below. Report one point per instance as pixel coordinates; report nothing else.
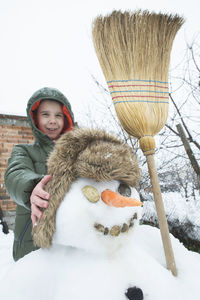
(52, 129)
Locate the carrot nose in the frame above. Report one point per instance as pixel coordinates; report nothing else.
(114, 199)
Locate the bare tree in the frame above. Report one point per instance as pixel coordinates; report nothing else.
(181, 136)
(184, 110)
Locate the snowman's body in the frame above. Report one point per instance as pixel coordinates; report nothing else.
(82, 258)
(85, 264)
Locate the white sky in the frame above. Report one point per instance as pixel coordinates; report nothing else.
(48, 43)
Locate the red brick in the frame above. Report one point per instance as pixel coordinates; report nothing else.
(10, 136)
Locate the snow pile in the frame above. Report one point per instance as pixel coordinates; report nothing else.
(6, 260)
(178, 210)
(69, 272)
(66, 273)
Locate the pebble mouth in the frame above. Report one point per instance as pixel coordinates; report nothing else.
(116, 229)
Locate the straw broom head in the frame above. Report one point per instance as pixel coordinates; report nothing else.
(134, 53)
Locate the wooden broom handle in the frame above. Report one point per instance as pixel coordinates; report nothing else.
(161, 215)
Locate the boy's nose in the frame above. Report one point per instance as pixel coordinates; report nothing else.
(52, 120)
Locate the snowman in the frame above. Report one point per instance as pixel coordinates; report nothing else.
(84, 233)
(92, 245)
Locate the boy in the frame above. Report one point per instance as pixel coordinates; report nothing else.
(50, 115)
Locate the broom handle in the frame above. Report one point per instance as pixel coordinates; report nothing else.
(161, 215)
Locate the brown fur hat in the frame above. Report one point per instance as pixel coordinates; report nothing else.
(89, 153)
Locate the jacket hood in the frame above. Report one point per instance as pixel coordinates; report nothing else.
(47, 93)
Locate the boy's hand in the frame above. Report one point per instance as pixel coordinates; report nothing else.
(39, 198)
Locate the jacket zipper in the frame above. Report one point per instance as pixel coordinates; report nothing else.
(24, 231)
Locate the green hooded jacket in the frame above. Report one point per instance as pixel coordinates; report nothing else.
(27, 166)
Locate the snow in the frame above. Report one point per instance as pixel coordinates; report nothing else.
(6, 260)
(178, 209)
(91, 266)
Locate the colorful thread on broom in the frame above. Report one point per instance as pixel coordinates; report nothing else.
(137, 80)
(148, 101)
(136, 85)
(138, 91)
(142, 96)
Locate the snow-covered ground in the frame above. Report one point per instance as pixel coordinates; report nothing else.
(6, 260)
(65, 273)
(176, 207)
(178, 210)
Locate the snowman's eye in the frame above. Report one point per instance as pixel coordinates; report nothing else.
(124, 189)
(91, 193)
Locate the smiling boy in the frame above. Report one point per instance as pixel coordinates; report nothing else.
(50, 115)
(50, 118)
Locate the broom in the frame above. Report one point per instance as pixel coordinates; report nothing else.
(134, 53)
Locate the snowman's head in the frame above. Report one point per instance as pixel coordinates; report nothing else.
(81, 158)
(97, 216)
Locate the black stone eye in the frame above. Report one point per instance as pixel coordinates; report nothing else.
(124, 189)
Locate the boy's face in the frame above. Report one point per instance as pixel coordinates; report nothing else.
(50, 118)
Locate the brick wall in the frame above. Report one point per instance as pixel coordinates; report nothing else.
(13, 130)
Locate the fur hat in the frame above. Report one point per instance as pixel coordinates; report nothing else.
(89, 153)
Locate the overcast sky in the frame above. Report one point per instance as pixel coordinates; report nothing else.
(48, 43)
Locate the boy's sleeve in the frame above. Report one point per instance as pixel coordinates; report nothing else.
(20, 177)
